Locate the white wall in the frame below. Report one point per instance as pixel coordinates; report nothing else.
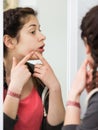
(72, 29)
(52, 16)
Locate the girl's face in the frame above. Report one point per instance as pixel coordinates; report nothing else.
(30, 38)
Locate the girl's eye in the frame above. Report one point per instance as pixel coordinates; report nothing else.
(33, 32)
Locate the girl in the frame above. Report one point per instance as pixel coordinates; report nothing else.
(24, 83)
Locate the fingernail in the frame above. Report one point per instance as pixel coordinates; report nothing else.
(88, 67)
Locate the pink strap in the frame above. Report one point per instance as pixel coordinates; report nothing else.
(13, 94)
(72, 103)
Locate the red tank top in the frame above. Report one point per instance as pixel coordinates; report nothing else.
(30, 112)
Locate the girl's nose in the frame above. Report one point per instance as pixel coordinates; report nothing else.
(41, 36)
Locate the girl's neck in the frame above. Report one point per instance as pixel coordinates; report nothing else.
(7, 73)
(7, 70)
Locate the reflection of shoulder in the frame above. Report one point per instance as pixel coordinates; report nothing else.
(90, 95)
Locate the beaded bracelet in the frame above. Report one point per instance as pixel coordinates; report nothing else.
(72, 103)
(13, 94)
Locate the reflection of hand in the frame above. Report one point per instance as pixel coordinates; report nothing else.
(45, 73)
(80, 81)
(89, 79)
(19, 73)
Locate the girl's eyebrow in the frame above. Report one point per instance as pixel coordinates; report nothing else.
(29, 26)
(34, 25)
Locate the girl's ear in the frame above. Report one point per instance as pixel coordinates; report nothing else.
(88, 50)
(9, 41)
(88, 53)
(87, 47)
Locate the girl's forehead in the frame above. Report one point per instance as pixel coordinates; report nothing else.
(32, 20)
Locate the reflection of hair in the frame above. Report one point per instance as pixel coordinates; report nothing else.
(89, 27)
(14, 19)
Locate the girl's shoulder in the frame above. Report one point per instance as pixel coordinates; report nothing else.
(92, 97)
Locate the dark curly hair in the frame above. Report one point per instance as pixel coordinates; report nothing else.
(14, 19)
(89, 27)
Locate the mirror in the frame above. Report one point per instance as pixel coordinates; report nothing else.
(60, 21)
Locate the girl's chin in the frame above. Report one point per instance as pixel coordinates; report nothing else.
(34, 57)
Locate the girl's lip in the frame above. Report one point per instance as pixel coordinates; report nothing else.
(41, 49)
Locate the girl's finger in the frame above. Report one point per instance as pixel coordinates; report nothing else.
(26, 58)
(37, 75)
(83, 67)
(38, 66)
(37, 70)
(41, 58)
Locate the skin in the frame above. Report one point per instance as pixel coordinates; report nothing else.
(30, 47)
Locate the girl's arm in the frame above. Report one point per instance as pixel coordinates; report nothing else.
(90, 120)
(19, 77)
(56, 109)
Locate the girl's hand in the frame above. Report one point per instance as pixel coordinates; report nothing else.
(82, 79)
(45, 73)
(19, 73)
